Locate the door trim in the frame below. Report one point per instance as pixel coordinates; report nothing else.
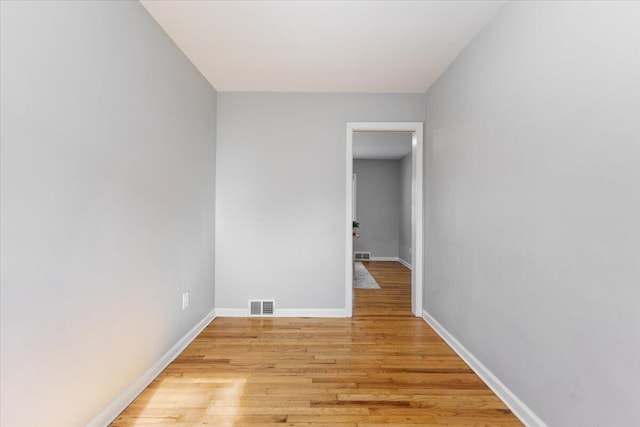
(417, 220)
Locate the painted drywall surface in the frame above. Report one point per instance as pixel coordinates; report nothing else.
(281, 193)
(404, 244)
(107, 198)
(533, 206)
(378, 207)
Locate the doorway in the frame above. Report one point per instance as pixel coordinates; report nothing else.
(415, 128)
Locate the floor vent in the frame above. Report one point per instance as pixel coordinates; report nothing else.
(258, 307)
(363, 256)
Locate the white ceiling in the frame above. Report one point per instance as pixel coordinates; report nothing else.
(381, 145)
(322, 46)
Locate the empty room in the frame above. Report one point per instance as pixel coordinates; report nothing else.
(382, 218)
(182, 239)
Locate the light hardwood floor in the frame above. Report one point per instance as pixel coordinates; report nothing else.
(383, 367)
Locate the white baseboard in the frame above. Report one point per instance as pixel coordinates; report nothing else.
(285, 312)
(405, 263)
(517, 406)
(121, 402)
(383, 258)
(391, 258)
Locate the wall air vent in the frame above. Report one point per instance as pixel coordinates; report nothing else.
(363, 256)
(258, 307)
(255, 308)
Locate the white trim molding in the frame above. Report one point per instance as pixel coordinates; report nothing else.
(405, 263)
(417, 160)
(517, 406)
(383, 258)
(121, 402)
(348, 232)
(390, 258)
(284, 312)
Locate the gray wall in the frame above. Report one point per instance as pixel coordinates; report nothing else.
(533, 206)
(378, 207)
(281, 193)
(404, 244)
(107, 204)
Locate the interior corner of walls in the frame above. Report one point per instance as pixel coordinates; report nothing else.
(513, 402)
(405, 263)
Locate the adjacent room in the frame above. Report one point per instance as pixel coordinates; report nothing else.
(382, 201)
(177, 208)
(382, 176)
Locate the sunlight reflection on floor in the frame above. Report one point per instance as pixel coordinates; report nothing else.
(208, 398)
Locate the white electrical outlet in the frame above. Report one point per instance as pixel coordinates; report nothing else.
(185, 300)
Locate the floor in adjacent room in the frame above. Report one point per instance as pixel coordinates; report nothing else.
(383, 367)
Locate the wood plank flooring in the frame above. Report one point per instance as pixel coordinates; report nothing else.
(383, 367)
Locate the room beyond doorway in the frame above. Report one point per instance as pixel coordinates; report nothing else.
(382, 195)
(416, 247)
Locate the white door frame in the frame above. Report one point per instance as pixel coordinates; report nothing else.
(416, 208)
